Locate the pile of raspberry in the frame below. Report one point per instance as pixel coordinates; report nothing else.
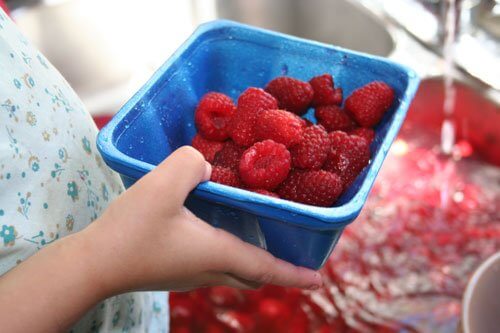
(262, 144)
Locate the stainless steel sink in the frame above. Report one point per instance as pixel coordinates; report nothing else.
(107, 48)
(475, 117)
(340, 22)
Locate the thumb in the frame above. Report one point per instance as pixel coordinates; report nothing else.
(176, 176)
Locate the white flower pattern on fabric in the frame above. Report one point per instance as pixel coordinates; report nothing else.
(52, 180)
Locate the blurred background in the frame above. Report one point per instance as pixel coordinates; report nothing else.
(107, 49)
(433, 215)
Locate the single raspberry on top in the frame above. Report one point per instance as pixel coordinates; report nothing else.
(207, 147)
(333, 118)
(229, 156)
(279, 125)
(226, 176)
(348, 155)
(366, 133)
(250, 102)
(256, 99)
(324, 91)
(312, 150)
(369, 103)
(265, 165)
(213, 115)
(312, 187)
(293, 95)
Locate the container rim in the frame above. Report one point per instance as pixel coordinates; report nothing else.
(327, 217)
(471, 286)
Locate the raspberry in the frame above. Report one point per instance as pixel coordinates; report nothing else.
(273, 313)
(324, 91)
(293, 95)
(312, 187)
(307, 122)
(338, 95)
(206, 147)
(312, 151)
(333, 118)
(369, 103)
(279, 125)
(226, 176)
(348, 155)
(256, 99)
(250, 102)
(268, 193)
(213, 115)
(366, 133)
(244, 321)
(265, 165)
(229, 156)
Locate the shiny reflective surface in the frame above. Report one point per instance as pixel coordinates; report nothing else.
(344, 23)
(106, 49)
(478, 26)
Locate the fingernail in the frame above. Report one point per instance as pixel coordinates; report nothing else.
(313, 287)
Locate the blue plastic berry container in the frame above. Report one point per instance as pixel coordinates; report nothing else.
(229, 57)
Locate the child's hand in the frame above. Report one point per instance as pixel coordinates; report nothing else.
(147, 239)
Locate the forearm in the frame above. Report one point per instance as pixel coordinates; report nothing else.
(52, 289)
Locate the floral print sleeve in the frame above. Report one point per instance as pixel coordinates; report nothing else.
(53, 181)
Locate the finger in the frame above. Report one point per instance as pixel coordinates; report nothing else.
(250, 284)
(213, 279)
(251, 263)
(223, 279)
(177, 175)
(244, 262)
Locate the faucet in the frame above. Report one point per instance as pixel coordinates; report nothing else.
(477, 46)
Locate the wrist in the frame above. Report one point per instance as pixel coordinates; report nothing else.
(61, 281)
(94, 265)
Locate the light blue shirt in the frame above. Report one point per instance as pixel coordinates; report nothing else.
(53, 181)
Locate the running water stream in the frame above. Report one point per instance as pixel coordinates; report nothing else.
(448, 127)
(448, 130)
